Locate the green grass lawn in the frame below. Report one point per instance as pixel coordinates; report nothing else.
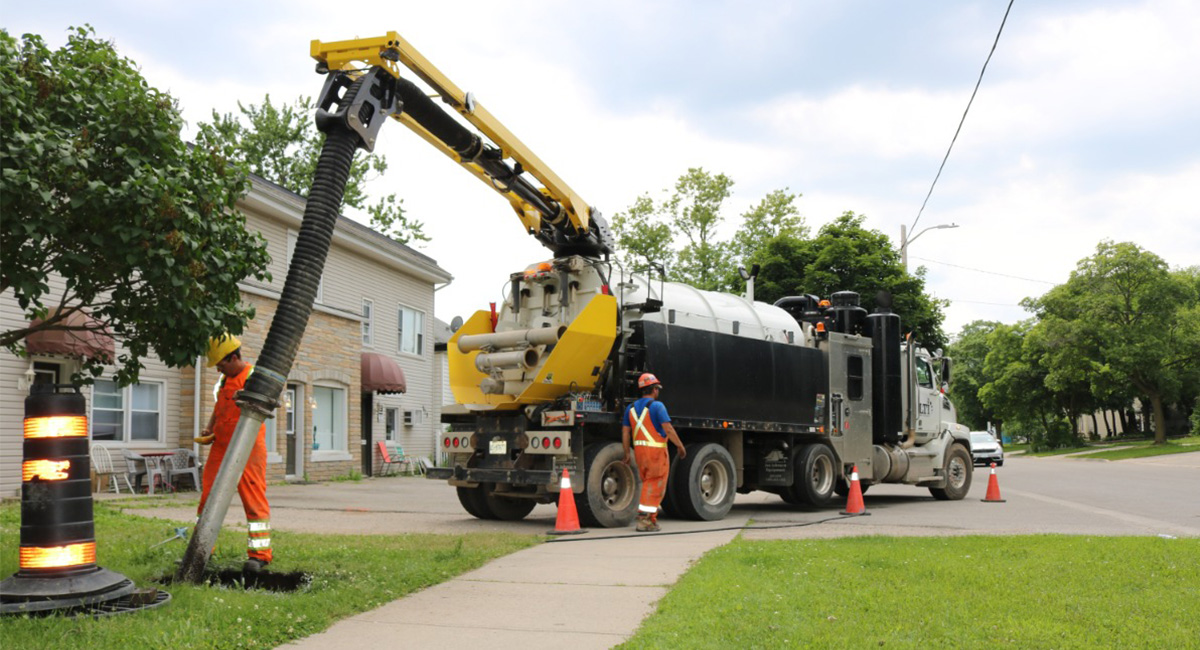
(1182, 446)
(350, 574)
(956, 592)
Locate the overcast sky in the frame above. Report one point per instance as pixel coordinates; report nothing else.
(1085, 127)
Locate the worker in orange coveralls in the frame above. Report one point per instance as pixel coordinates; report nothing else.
(225, 352)
(650, 425)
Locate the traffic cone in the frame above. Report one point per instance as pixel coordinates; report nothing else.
(854, 503)
(993, 491)
(567, 522)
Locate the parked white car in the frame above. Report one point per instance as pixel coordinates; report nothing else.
(985, 450)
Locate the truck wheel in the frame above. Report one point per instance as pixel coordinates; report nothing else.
(474, 501)
(708, 482)
(816, 475)
(506, 508)
(958, 475)
(611, 488)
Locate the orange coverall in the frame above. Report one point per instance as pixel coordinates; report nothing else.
(252, 487)
(650, 451)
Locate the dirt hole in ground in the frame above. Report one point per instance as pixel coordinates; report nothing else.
(266, 580)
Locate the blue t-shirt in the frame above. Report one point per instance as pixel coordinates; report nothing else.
(658, 414)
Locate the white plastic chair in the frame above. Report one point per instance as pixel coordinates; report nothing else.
(183, 463)
(139, 466)
(102, 464)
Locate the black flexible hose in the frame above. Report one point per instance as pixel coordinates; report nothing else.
(308, 261)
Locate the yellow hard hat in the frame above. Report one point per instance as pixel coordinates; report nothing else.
(219, 347)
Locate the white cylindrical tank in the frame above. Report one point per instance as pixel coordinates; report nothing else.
(711, 311)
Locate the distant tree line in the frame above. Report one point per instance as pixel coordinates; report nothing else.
(1124, 328)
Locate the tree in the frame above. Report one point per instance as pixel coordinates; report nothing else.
(969, 350)
(775, 216)
(1144, 319)
(648, 230)
(99, 189)
(1016, 390)
(282, 145)
(845, 256)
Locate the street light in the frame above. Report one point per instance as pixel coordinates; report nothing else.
(905, 241)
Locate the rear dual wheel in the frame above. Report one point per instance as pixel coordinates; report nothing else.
(611, 488)
(704, 483)
(815, 477)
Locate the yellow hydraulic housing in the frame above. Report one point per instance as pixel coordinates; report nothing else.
(573, 364)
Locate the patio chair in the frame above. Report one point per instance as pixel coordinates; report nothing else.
(389, 456)
(139, 466)
(182, 463)
(102, 464)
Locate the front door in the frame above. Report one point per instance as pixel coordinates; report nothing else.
(368, 417)
(291, 426)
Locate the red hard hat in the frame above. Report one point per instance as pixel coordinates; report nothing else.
(648, 379)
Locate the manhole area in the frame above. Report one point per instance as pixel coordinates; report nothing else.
(265, 580)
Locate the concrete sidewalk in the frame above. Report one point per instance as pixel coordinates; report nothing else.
(586, 591)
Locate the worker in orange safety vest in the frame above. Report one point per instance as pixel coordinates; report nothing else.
(649, 425)
(225, 353)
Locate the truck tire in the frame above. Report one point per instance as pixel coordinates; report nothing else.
(611, 488)
(473, 500)
(816, 475)
(505, 508)
(958, 471)
(707, 482)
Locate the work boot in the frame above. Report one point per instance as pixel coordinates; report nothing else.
(646, 525)
(253, 565)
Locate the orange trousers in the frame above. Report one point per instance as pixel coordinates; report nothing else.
(653, 467)
(252, 489)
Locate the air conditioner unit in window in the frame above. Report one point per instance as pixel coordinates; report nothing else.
(409, 418)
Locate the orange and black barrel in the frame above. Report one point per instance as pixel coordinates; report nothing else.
(57, 567)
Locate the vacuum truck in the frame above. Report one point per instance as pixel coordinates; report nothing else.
(787, 398)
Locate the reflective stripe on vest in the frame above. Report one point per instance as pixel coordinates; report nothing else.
(642, 427)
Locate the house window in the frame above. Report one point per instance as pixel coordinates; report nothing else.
(329, 418)
(368, 308)
(390, 418)
(292, 236)
(131, 414)
(289, 405)
(412, 331)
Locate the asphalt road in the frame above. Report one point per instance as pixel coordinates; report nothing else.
(1156, 496)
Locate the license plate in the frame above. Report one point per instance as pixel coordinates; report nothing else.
(498, 447)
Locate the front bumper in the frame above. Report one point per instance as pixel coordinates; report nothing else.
(988, 457)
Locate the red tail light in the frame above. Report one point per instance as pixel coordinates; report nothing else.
(456, 442)
(558, 443)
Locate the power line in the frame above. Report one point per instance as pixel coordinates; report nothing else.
(964, 117)
(1003, 275)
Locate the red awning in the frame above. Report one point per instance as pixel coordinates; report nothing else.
(381, 374)
(90, 340)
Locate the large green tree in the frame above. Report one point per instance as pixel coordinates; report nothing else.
(282, 145)
(1139, 324)
(845, 256)
(679, 232)
(99, 189)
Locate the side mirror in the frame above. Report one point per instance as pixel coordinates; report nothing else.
(946, 364)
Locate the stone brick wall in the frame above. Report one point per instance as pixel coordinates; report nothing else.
(329, 353)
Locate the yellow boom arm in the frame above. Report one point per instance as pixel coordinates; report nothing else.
(551, 211)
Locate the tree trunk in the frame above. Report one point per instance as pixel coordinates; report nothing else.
(1160, 419)
(1095, 428)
